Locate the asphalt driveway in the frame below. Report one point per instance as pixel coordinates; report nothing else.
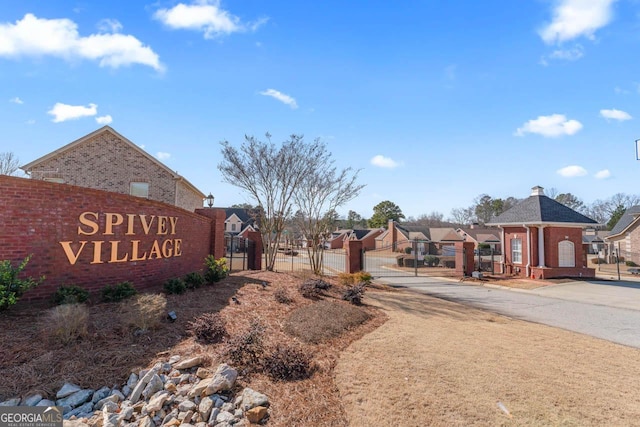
(607, 310)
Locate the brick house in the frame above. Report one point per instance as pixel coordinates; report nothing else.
(106, 160)
(238, 223)
(481, 235)
(542, 238)
(624, 238)
(430, 240)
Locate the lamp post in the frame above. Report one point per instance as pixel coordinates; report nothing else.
(209, 199)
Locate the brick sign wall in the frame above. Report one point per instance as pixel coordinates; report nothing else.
(93, 238)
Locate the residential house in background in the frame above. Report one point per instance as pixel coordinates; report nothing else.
(106, 160)
(367, 236)
(237, 223)
(481, 236)
(593, 241)
(542, 239)
(429, 240)
(624, 238)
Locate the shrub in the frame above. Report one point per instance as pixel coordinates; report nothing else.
(354, 294)
(68, 322)
(70, 295)
(288, 363)
(144, 312)
(118, 292)
(312, 288)
(631, 264)
(246, 350)
(282, 296)
(431, 261)
(216, 269)
(208, 328)
(175, 286)
(194, 280)
(12, 287)
(354, 278)
(408, 250)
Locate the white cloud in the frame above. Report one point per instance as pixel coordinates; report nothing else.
(621, 91)
(30, 122)
(162, 155)
(16, 100)
(286, 99)
(109, 26)
(205, 16)
(32, 36)
(384, 162)
(577, 18)
(63, 112)
(104, 120)
(550, 126)
(572, 171)
(614, 114)
(572, 54)
(603, 174)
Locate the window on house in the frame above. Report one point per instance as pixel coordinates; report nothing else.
(57, 180)
(516, 251)
(233, 227)
(139, 189)
(566, 254)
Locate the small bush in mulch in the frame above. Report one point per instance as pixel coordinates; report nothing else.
(144, 312)
(282, 296)
(630, 264)
(67, 323)
(312, 288)
(355, 278)
(246, 350)
(288, 363)
(208, 328)
(194, 280)
(354, 294)
(175, 286)
(324, 320)
(70, 295)
(118, 292)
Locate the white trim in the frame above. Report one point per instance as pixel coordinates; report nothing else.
(541, 246)
(637, 149)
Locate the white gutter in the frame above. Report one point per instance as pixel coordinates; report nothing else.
(503, 248)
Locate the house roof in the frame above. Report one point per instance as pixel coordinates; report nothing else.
(627, 219)
(444, 234)
(481, 235)
(175, 175)
(242, 214)
(540, 209)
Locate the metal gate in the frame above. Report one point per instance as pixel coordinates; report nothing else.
(411, 258)
(236, 252)
(294, 259)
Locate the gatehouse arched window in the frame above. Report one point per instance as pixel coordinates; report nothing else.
(566, 254)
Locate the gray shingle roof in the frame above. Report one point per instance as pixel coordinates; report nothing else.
(540, 209)
(625, 220)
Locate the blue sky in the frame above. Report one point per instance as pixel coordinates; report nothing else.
(435, 101)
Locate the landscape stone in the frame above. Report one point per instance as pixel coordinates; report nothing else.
(224, 416)
(205, 407)
(174, 359)
(255, 415)
(187, 417)
(75, 423)
(172, 422)
(126, 390)
(201, 424)
(126, 413)
(110, 407)
(228, 407)
(146, 422)
(166, 368)
(188, 363)
(170, 387)
(113, 398)
(67, 390)
(224, 379)
(32, 400)
(46, 402)
(140, 386)
(186, 406)
(203, 373)
(198, 388)
(251, 399)
(84, 409)
(157, 401)
(116, 392)
(109, 419)
(214, 415)
(132, 381)
(155, 384)
(100, 394)
(76, 399)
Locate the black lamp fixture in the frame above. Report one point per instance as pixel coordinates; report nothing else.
(210, 200)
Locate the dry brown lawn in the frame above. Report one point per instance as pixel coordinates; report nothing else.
(438, 363)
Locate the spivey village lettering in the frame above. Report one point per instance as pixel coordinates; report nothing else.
(89, 225)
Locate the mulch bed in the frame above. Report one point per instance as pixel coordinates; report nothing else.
(30, 361)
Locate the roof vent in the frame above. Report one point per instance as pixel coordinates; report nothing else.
(537, 191)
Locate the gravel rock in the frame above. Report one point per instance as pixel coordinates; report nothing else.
(100, 394)
(76, 399)
(251, 399)
(46, 402)
(224, 379)
(255, 415)
(188, 363)
(32, 400)
(67, 390)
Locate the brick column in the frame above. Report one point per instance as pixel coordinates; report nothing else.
(254, 254)
(464, 254)
(217, 216)
(354, 256)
